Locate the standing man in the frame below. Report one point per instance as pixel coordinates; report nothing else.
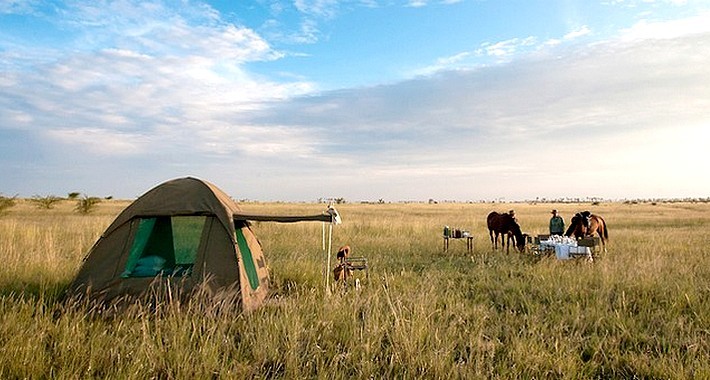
(557, 224)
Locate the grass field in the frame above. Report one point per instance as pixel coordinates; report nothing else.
(642, 310)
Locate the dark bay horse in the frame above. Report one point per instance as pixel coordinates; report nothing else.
(585, 224)
(505, 225)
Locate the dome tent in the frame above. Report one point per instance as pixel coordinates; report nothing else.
(185, 234)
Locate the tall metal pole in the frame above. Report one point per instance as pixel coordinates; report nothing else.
(327, 269)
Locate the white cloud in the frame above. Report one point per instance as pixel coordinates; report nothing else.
(447, 61)
(307, 34)
(580, 32)
(320, 8)
(636, 3)
(103, 141)
(505, 48)
(417, 3)
(258, 141)
(645, 30)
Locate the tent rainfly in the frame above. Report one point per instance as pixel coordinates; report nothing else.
(183, 235)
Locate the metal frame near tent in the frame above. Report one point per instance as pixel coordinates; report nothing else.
(330, 217)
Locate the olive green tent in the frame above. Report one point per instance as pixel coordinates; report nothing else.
(181, 236)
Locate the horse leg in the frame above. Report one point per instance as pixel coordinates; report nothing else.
(493, 244)
(600, 232)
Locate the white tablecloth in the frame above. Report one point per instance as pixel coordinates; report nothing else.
(565, 246)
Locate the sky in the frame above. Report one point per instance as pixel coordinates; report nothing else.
(394, 100)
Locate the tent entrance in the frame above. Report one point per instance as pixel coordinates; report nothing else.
(164, 245)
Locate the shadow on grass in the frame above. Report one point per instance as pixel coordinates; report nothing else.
(48, 292)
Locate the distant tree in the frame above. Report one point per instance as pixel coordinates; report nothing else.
(72, 196)
(109, 197)
(46, 202)
(86, 204)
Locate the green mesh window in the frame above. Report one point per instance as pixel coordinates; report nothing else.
(164, 245)
(187, 231)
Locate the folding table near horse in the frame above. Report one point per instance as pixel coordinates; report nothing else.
(455, 233)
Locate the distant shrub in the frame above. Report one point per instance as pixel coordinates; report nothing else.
(74, 195)
(6, 203)
(86, 204)
(46, 202)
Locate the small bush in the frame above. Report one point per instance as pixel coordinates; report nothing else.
(6, 203)
(46, 202)
(87, 204)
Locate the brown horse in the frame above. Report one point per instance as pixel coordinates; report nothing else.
(585, 224)
(505, 225)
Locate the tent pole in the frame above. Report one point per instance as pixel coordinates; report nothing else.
(327, 269)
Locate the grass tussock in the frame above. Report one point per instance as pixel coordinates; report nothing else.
(639, 311)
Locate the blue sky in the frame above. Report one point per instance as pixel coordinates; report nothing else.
(365, 100)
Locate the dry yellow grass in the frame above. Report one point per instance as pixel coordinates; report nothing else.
(639, 311)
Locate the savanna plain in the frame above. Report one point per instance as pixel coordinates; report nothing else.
(640, 310)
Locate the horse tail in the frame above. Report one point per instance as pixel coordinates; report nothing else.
(606, 231)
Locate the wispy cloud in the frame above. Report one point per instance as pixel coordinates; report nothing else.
(417, 3)
(491, 52)
(580, 32)
(636, 3)
(18, 6)
(319, 8)
(104, 141)
(424, 3)
(505, 48)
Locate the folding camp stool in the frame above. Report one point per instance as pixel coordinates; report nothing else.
(358, 264)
